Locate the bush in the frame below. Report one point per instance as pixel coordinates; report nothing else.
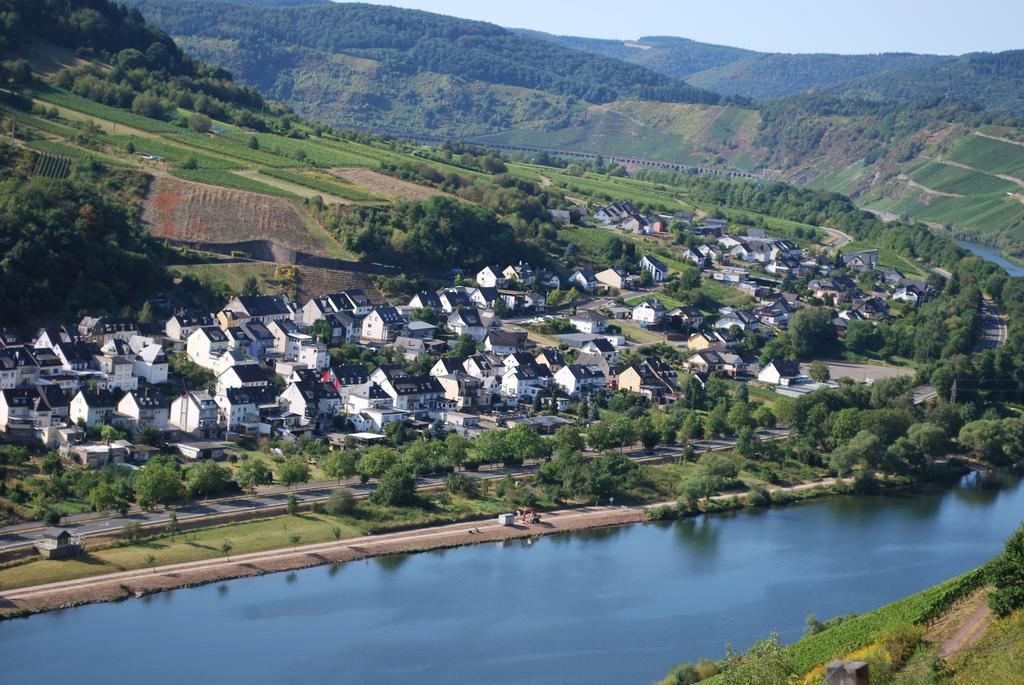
(866, 484)
(341, 503)
(902, 642)
(757, 497)
(462, 485)
(662, 513)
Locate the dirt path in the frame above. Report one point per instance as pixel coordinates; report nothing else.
(1001, 140)
(839, 239)
(969, 632)
(1005, 177)
(107, 126)
(294, 188)
(931, 191)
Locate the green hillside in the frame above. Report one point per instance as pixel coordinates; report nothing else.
(404, 70)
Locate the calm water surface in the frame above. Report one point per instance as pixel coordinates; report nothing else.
(611, 606)
(992, 254)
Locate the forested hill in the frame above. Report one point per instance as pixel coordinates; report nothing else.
(991, 81)
(373, 66)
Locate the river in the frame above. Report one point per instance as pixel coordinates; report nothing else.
(993, 255)
(617, 605)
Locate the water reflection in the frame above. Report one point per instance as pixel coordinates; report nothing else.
(392, 562)
(700, 535)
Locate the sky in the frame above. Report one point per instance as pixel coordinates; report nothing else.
(843, 26)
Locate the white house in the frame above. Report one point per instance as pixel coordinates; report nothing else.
(383, 324)
(587, 321)
(583, 279)
(144, 409)
(205, 345)
(194, 412)
(525, 380)
(491, 277)
(578, 380)
(184, 324)
(650, 312)
(655, 267)
(151, 364)
(780, 372)
(92, 408)
(466, 321)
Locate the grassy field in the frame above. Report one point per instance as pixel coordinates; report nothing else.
(991, 156)
(235, 149)
(58, 148)
(226, 179)
(229, 275)
(250, 536)
(323, 183)
(112, 114)
(173, 153)
(954, 179)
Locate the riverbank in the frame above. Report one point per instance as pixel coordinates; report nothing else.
(143, 581)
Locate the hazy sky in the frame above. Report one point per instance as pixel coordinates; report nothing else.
(845, 26)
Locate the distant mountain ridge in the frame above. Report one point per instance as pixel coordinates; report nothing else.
(992, 81)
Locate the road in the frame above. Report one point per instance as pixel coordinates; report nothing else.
(993, 332)
(22, 535)
(839, 239)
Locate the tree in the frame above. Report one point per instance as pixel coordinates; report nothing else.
(339, 464)
(291, 506)
(51, 464)
(523, 443)
(456, 450)
(293, 471)
(377, 460)
(396, 489)
(567, 440)
(132, 530)
(109, 434)
(983, 438)
(1006, 573)
(492, 447)
(251, 286)
(225, 548)
(811, 332)
(864, 448)
(206, 478)
(172, 525)
(611, 474)
(200, 123)
(321, 331)
(747, 441)
(252, 473)
(336, 532)
(819, 371)
(765, 663)
(646, 432)
(157, 483)
(254, 143)
(151, 562)
(109, 495)
(294, 538)
(461, 485)
(341, 503)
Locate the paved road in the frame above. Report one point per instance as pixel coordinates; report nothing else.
(20, 536)
(993, 333)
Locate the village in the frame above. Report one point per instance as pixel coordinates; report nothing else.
(486, 353)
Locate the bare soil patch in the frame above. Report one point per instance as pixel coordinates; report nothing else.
(385, 186)
(194, 212)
